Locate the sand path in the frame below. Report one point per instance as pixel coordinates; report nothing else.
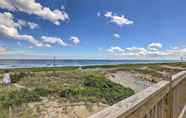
(130, 80)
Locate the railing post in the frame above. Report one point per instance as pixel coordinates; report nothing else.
(170, 99)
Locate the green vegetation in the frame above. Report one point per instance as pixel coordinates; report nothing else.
(68, 85)
(41, 69)
(13, 96)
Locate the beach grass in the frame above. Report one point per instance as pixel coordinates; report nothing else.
(64, 84)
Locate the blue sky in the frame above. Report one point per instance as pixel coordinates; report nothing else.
(93, 29)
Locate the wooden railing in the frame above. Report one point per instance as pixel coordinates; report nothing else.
(166, 99)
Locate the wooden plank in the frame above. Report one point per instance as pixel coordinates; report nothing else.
(162, 100)
(179, 98)
(183, 113)
(177, 78)
(156, 112)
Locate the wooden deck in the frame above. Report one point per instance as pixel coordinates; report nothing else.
(166, 99)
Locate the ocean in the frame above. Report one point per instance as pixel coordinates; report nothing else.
(19, 63)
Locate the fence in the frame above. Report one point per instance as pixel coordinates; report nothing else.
(166, 99)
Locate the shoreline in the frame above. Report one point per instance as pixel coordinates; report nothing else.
(87, 65)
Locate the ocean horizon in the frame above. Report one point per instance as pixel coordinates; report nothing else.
(29, 63)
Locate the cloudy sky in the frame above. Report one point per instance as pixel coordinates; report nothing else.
(93, 29)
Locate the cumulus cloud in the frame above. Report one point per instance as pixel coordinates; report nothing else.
(24, 23)
(119, 20)
(53, 40)
(152, 50)
(116, 35)
(116, 49)
(75, 40)
(154, 46)
(33, 7)
(8, 27)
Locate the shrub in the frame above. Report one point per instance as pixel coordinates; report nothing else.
(17, 97)
(89, 82)
(17, 77)
(67, 93)
(3, 113)
(42, 92)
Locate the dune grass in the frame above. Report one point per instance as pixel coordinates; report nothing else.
(68, 85)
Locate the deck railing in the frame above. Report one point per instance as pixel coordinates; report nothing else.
(166, 99)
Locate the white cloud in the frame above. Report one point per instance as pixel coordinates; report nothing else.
(116, 49)
(3, 49)
(33, 25)
(33, 7)
(154, 46)
(116, 35)
(119, 20)
(6, 19)
(24, 23)
(8, 27)
(152, 50)
(75, 40)
(176, 52)
(48, 45)
(135, 49)
(30, 47)
(53, 40)
(108, 14)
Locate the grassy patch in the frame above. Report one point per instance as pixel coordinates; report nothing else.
(96, 88)
(68, 85)
(13, 96)
(78, 88)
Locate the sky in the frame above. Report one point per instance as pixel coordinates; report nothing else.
(92, 29)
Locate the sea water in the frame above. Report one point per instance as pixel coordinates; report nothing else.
(19, 63)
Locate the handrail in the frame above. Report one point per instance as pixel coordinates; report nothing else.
(153, 100)
(177, 78)
(183, 113)
(132, 103)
